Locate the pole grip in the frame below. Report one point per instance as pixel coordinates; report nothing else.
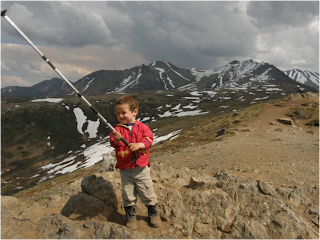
(136, 156)
(3, 12)
(124, 141)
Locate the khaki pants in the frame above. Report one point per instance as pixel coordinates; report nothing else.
(137, 182)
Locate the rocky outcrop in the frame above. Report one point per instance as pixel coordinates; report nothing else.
(301, 114)
(191, 205)
(306, 95)
(287, 121)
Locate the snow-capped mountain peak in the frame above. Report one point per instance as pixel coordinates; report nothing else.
(304, 76)
(163, 75)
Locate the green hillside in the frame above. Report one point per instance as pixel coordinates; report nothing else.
(28, 127)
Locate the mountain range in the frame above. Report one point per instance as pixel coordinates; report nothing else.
(163, 75)
(303, 76)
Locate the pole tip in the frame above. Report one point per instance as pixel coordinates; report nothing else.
(3, 12)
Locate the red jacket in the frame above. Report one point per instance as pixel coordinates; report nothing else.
(140, 133)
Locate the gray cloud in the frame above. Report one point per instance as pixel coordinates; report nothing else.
(269, 15)
(23, 62)
(86, 36)
(63, 25)
(189, 32)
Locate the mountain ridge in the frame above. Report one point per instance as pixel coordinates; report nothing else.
(304, 76)
(38, 90)
(163, 75)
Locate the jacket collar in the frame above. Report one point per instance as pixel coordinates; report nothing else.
(126, 125)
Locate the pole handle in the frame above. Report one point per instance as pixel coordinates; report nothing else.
(3, 13)
(136, 156)
(124, 141)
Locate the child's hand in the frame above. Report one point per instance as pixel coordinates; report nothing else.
(117, 136)
(136, 146)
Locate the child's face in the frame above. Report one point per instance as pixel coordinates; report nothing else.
(125, 115)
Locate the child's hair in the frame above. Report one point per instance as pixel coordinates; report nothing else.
(130, 100)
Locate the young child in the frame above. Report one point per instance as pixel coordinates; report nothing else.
(134, 172)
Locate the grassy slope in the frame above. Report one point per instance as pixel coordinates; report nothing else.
(204, 132)
(198, 130)
(25, 128)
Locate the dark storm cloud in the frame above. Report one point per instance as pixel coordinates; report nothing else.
(86, 36)
(63, 25)
(185, 32)
(283, 13)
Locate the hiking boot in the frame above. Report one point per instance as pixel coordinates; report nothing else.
(131, 217)
(154, 216)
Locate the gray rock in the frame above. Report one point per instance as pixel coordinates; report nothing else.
(56, 226)
(313, 210)
(104, 186)
(191, 205)
(266, 188)
(87, 206)
(298, 197)
(284, 192)
(113, 231)
(8, 233)
(287, 121)
(301, 114)
(248, 228)
(201, 182)
(6, 201)
(108, 163)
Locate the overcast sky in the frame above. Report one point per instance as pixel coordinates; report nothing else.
(80, 37)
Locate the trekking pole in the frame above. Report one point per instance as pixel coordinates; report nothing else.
(3, 14)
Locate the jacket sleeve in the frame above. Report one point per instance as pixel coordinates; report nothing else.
(147, 137)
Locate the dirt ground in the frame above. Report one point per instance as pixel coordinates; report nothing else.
(262, 148)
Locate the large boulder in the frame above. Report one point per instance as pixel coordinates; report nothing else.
(191, 205)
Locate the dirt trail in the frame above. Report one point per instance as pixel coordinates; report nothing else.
(262, 148)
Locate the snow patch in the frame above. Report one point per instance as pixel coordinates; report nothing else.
(53, 100)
